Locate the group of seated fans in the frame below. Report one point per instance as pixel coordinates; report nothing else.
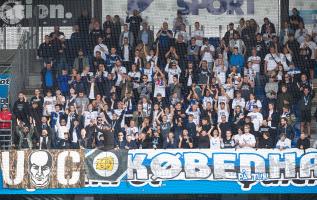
(129, 88)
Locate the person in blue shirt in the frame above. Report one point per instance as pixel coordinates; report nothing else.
(112, 58)
(48, 77)
(63, 82)
(237, 60)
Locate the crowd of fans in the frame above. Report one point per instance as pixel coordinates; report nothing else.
(126, 87)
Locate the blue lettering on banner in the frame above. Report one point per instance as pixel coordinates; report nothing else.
(214, 7)
(4, 89)
(203, 171)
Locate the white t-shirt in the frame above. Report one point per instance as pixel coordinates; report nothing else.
(206, 100)
(149, 73)
(220, 73)
(249, 105)
(286, 144)
(159, 87)
(119, 76)
(89, 116)
(312, 45)
(284, 62)
(103, 49)
(247, 139)
(229, 88)
(255, 66)
(222, 112)
(256, 119)
(171, 72)
(196, 115)
(135, 76)
(198, 33)
(271, 63)
(238, 102)
(215, 143)
(300, 35)
(152, 59)
(132, 131)
(49, 103)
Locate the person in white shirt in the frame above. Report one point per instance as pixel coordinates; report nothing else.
(118, 71)
(49, 104)
(253, 102)
(237, 137)
(61, 128)
(222, 112)
(272, 60)
(172, 69)
(215, 139)
(132, 130)
(283, 142)
(247, 140)
(300, 33)
(89, 114)
(102, 48)
(207, 53)
(198, 34)
(255, 60)
(220, 68)
(183, 32)
(286, 59)
(256, 118)
(135, 75)
(238, 101)
(159, 83)
(195, 112)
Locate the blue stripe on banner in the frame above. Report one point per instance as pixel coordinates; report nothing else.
(4, 88)
(172, 187)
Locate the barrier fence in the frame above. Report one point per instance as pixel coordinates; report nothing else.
(159, 171)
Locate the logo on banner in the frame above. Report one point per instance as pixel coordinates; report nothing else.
(12, 12)
(106, 164)
(40, 167)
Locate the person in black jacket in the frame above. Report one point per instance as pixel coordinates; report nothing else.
(266, 26)
(305, 107)
(303, 142)
(45, 140)
(105, 138)
(189, 76)
(143, 142)
(46, 50)
(21, 109)
(286, 129)
(229, 34)
(135, 23)
(74, 133)
(115, 122)
(265, 142)
(65, 143)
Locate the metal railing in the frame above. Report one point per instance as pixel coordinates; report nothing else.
(19, 67)
(6, 136)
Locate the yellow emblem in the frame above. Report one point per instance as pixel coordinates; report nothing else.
(105, 163)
